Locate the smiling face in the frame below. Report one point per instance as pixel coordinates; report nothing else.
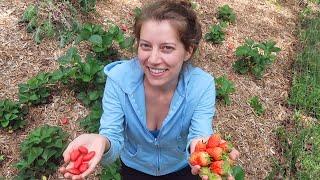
(161, 54)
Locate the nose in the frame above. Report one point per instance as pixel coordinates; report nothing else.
(155, 57)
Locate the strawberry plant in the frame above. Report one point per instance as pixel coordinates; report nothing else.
(12, 114)
(224, 88)
(255, 57)
(102, 41)
(87, 5)
(111, 172)
(41, 152)
(48, 19)
(216, 34)
(35, 91)
(226, 14)
(91, 122)
(256, 105)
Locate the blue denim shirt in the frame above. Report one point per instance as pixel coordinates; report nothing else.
(124, 118)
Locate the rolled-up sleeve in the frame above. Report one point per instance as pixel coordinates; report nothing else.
(111, 122)
(201, 122)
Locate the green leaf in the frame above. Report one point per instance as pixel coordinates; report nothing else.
(29, 13)
(96, 40)
(238, 173)
(38, 36)
(33, 154)
(93, 95)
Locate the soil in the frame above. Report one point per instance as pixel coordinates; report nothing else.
(254, 136)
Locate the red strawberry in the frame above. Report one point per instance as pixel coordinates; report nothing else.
(226, 146)
(74, 155)
(83, 150)
(220, 167)
(78, 162)
(215, 153)
(64, 121)
(200, 146)
(83, 167)
(74, 171)
(214, 141)
(199, 158)
(89, 156)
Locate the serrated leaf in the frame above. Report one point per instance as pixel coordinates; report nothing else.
(96, 40)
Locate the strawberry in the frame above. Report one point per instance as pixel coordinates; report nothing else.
(89, 156)
(213, 141)
(74, 171)
(83, 150)
(74, 155)
(220, 167)
(205, 171)
(83, 167)
(64, 121)
(214, 176)
(215, 153)
(226, 146)
(200, 158)
(78, 162)
(200, 146)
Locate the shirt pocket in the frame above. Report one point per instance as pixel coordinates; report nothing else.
(131, 148)
(181, 144)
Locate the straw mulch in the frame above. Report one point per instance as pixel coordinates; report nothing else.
(253, 136)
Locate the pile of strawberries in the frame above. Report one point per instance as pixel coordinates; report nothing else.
(213, 157)
(80, 158)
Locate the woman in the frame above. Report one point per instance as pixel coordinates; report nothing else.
(156, 106)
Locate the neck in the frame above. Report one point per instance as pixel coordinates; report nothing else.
(168, 88)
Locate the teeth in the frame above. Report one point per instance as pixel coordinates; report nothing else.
(157, 71)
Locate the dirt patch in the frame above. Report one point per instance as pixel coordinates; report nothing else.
(253, 136)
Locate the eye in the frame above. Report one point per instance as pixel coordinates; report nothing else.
(167, 49)
(144, 46)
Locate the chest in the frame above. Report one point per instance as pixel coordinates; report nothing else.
(157, 108)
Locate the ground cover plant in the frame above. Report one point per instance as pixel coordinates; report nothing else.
(53, 75)
(299, 138)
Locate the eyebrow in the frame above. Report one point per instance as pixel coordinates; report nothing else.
(165, 43)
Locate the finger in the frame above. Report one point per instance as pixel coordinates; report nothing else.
(92, 166)
(234, 154)
(62, 170)
(205, 177)
(77, 177)
(67, 175)
(230, 178)
(67, 152)
(195, 169)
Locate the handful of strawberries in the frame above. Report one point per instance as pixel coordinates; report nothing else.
(80, 158)
(213, 157)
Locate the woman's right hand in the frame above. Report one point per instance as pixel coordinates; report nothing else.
(93, 142)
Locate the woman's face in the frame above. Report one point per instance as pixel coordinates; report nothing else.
(161, 53)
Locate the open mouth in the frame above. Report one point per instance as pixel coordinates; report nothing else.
(157, 71)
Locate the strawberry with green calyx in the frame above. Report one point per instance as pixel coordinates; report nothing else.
(215, 152)
(214, 176)
(199, 158)
(205, 171)
(214, 141)
(226, 146)
(223, 168)
(200, 146)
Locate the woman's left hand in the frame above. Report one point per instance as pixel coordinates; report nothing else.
(234, 155)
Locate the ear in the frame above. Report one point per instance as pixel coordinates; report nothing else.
(188, 53)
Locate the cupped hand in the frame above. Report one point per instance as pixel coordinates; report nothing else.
(195, 170)
(93, 142)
